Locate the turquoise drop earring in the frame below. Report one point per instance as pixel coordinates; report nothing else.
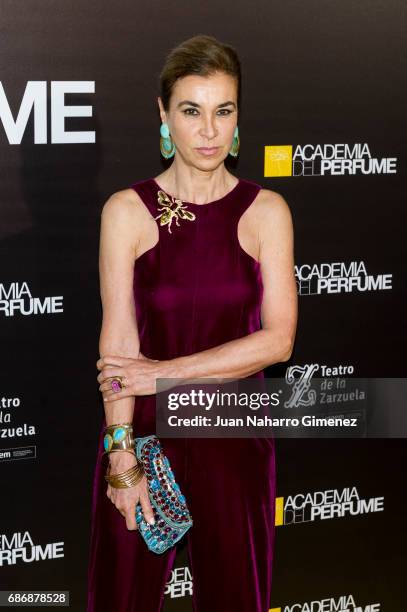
(167, 147)
(234, 149)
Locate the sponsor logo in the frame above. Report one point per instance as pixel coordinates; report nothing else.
(343, 603)
(322, 505)
(325, 160)
(338, 277)
(16, 299)
(180, 583)
(20, 548)
(35, 102)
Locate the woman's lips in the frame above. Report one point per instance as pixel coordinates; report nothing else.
(208, 150)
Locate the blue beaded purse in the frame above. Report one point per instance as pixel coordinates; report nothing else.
(171, 514)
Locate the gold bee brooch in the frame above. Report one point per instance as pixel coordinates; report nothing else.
(172, 208)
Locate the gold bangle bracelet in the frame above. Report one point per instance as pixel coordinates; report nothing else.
(127, 474)
(128, 426)
(124, 484)
(118, 450)
(139, 467)
(133, 470)
(126, 479)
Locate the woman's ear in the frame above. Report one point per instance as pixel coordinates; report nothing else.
(162, 111)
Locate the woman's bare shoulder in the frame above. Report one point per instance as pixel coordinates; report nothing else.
(271, 215)
(269, 202)
(125, 215)
(124, 204)
(269, 208)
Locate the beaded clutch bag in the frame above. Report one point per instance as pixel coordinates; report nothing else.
(171, 514)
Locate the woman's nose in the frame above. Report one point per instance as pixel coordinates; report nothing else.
(208, 128)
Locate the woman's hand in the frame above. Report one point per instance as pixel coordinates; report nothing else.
(139, 375)
(126, 499)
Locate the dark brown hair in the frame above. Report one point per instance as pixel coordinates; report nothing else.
(203, 55)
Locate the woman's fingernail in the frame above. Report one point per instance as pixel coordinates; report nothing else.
(151, 521)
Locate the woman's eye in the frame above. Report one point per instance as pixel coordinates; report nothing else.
(193, 111)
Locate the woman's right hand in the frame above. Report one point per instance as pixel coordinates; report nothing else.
(126, 499)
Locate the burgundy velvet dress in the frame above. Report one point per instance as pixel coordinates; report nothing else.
(195, 289)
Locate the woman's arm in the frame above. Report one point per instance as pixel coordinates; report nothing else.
(243, 356)
(121, 226)
(119, 332)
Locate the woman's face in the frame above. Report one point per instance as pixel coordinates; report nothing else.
(202, 118)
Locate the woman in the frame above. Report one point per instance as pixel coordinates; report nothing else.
(209, 292)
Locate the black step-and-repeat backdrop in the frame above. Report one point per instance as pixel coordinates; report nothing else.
(324, 99)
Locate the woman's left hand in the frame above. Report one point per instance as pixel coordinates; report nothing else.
(138, 375)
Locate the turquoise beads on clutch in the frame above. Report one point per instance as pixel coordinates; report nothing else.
(171, 514)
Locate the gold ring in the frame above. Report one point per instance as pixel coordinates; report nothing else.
(117, 384)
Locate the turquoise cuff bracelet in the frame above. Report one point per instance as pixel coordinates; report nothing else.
(118, 437)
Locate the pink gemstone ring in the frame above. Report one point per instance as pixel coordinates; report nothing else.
(117, 384)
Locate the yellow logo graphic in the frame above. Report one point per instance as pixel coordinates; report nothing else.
(279, 511)
(274, 609)
(278, 160)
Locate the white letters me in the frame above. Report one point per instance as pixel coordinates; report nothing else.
(35, 96)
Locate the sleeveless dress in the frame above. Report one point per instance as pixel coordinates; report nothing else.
(195, 289)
